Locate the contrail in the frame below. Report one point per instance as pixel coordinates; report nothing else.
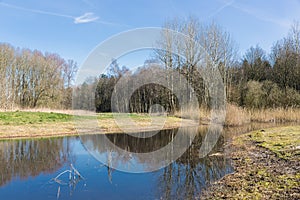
(85, 18)
(229, 3)
(36, 11)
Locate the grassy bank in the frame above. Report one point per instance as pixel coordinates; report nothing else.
(45, 123)
(27, 124)
(24, 118)
(284, 142)
(266, 165)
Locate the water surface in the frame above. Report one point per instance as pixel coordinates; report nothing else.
(28, 168)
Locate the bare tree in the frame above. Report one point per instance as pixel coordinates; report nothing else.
(200, 40)
(221, 49)
(31, 78)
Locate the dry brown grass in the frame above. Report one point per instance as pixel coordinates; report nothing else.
(236, 116)
(277, 115)
(191, 113)
(37, 130)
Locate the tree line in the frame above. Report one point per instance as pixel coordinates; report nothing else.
(257, 80)
(264, 81)
(32, 79)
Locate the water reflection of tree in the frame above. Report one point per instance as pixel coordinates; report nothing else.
(182, 179)
(142, 145)
(185, 178)
(26, 158)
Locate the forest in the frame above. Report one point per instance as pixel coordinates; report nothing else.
(255, 80)
(31, 79)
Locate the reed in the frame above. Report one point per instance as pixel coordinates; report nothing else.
(276, 115)
(237, 116)
(192, 113)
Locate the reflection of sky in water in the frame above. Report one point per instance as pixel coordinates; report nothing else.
(131, 164)
(102, 182)
(97, 183)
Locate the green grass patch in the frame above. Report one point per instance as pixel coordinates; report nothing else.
(104, 115)
(133, 116)
(285, 141)
(23, 124)
(260, 182)
(25, 118)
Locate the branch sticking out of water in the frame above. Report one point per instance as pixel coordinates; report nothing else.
(58, 192)
(76, 172)
(57, 180)
(74, 178)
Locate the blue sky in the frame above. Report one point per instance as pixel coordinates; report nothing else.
(72, 28)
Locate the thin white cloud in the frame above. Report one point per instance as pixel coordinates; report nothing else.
(35, 11)
(262, 15)
(226, 4)
(86, 18)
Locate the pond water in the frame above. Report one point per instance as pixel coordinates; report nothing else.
(28, 168)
